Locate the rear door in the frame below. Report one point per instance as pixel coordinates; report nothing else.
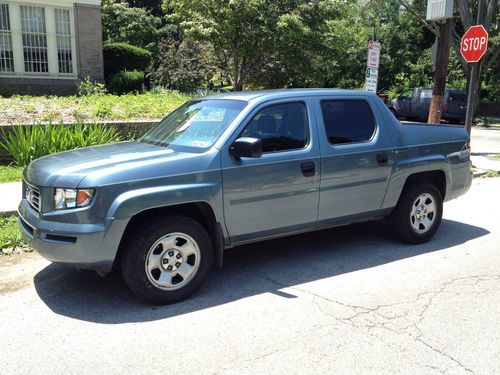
(356, 159)
(424, 103)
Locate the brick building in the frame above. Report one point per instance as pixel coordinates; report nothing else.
(46, 46)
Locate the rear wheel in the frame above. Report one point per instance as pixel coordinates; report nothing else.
(418, 213)
(167, 260)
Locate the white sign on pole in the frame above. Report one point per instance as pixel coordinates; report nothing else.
(373, 54)
(371, 76)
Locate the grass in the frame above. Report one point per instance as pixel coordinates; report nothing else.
(10, 173)
(11, 238)
(56, 109)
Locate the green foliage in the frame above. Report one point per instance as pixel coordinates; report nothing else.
(184, 65)
(5, 90)
(147, 105)
(124, 24)
(122, 56)
(11, 238)
(126, 81)
(10, 173)
(89, 87)
(26, 143)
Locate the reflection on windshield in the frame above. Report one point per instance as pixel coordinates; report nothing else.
(198, 123)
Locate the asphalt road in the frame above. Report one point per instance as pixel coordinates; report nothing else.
(348, 300)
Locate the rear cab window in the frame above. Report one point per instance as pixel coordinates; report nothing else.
(347, 121)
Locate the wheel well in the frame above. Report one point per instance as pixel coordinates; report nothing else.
(200, 211)
(437, 178)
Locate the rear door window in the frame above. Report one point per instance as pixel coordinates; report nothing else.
(347, 121)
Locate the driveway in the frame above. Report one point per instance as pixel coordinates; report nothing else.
(346, 300)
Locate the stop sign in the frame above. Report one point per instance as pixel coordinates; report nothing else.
(474, 43)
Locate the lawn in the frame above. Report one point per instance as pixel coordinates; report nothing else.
(56, 109)
(10, 173)
(11, 238)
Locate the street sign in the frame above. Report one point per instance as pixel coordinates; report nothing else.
(371, 78)
(372, 64)
(373, 54)
(474, 43)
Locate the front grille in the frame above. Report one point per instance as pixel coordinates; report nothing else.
(32, 195)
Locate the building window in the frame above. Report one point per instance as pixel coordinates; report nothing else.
(34, 35)
(6, 54)
(63, 32)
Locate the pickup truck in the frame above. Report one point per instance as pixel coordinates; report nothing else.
(237, 168)
(414, 103)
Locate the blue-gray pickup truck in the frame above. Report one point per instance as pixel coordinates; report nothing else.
(238, 168)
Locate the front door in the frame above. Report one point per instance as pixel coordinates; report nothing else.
(405, 100)
(278, 192)
(356, 160)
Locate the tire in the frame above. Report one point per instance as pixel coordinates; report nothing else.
(166, 261)
(417, 216)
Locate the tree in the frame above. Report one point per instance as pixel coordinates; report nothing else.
(183, 64)
(242, 33)
(136, 26)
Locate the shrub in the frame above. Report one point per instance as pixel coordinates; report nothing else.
(123, 56)
(126, 81)
(89, 87)
(5, 90)
(26, 143)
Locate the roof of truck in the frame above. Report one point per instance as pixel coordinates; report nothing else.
(283, 93)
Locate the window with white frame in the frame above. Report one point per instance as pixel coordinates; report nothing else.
(37, 40)
(63, 32)
(6, 53)
(34, 39)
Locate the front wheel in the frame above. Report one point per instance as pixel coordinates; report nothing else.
(167, 260)
(418, 213)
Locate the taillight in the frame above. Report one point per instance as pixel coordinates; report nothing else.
(445, 106)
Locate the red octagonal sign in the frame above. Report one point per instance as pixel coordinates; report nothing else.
(474, 43)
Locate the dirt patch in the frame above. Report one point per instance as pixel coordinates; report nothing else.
(17, 271)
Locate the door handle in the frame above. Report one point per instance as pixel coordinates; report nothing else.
(308, 168)
(382, 158)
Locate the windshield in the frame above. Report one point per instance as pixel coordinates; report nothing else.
(198, 123)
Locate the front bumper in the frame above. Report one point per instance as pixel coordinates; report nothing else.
(86, 246)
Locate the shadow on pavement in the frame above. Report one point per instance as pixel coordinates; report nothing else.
(249, 270)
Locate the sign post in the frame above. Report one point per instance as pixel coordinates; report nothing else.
(372, 65)
(472, 47)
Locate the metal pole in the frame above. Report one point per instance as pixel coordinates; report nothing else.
(473, 78)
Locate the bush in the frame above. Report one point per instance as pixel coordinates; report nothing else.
(89, 87)
(123, 56)
(124, 82)
(26, 143)
(5, 91)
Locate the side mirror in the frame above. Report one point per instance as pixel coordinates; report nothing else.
(246, 147)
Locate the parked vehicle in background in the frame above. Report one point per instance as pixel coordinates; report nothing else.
(237, 168)
(206, 91)
(414, 104)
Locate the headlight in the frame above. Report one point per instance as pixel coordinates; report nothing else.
(72, 198)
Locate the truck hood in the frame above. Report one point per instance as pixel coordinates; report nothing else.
(103, 164)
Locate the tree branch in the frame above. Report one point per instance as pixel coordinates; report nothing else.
(408, 8)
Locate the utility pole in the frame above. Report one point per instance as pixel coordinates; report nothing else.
(442, 58)
(474, 77)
